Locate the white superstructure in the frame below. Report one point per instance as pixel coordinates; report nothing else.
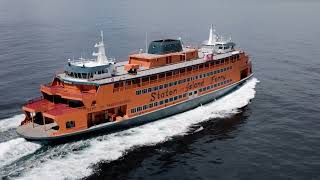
(83, 69)
(215, 45)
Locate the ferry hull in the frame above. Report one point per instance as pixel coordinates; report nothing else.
(139, 120)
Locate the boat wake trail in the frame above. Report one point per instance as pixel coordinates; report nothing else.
(78, 161)
(14, 149)
(10, 123)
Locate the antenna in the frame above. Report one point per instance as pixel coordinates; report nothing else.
(146, 42)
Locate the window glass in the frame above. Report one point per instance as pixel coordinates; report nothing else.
(70, 124)
(168, 74)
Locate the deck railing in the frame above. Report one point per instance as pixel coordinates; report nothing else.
(60, 90)
(33, 100)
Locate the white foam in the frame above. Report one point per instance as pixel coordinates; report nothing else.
(11, 123)
(14, 149)
(198, 130)
(111, 147)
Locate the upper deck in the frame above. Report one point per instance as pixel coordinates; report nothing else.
(161, 56)
(122, 74)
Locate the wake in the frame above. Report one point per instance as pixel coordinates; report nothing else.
(77, 164)
(14, 149)
(10, 123)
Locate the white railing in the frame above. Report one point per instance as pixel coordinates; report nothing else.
(83, 60)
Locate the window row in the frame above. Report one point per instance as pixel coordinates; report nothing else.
(159, 103)
(85, 75)
(215, 85)
(189, 69)
(165, 101)
(163, 86)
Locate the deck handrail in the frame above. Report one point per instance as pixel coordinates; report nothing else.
(36, 99)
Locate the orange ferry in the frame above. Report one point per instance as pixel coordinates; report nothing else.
(104, 95)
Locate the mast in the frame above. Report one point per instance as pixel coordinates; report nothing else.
(212, 36)
(101, 33)
(101, 54)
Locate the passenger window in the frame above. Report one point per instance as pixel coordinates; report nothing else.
(70, 124)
